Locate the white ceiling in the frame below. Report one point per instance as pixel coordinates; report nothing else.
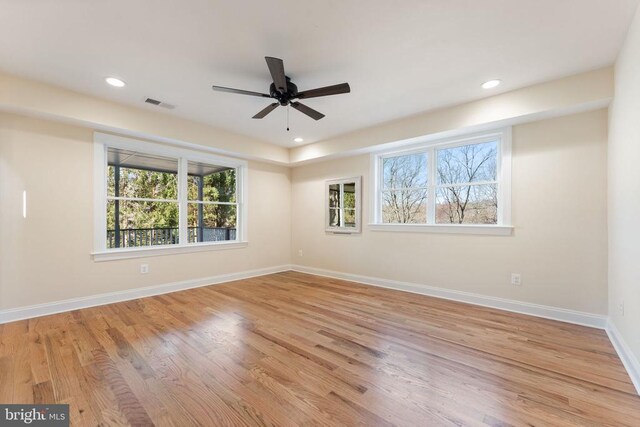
(400, 57)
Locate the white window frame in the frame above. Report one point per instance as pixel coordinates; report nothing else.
(102, 142)
(503, 179)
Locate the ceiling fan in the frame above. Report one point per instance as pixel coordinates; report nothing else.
(286, 92)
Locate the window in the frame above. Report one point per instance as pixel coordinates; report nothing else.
(142, 200)
(404, 188)
(151, 198)
(455, 185)
(467, 186)
(343, 205)
(213, 207)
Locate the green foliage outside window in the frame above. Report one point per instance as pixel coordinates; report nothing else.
(144, 184)
(217, 187)
(137, 183)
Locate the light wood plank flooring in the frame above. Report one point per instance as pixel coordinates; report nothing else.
(295, 349)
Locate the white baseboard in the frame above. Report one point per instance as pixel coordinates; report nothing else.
(548, 312)
(629, 360)
(28, 312)
(564, 315)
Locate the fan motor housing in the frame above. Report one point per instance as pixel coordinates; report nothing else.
(284, 98)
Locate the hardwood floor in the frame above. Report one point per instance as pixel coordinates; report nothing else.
(296, 349)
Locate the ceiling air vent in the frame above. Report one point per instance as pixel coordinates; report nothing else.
(159, 103)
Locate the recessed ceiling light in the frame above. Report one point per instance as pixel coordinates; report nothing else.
(298, 139)
(115, 82)
(491, 84)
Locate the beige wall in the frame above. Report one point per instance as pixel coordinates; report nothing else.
(46, 257)
(559, 211)
(624, 192)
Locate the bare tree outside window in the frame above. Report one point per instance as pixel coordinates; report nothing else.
(404, 193)
(448, 182)
(467, 190)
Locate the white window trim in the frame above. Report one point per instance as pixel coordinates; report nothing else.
(486, 229)
(103, 141)
(504, 226)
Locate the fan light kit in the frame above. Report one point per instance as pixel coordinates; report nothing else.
(491, 84)
(285, 92)
(115, 82)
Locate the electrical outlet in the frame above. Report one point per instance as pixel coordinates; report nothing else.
(144, 268)
(516, 279)
(621, 309)
(299, 252)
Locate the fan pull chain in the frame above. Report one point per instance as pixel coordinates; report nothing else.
(287, 118)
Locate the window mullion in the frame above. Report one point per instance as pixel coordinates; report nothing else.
(466, 184)
(407, 188)
(183, 234)
(380, 178)
(342, 205)
(142, 199)
(431, 190)
(213, 203)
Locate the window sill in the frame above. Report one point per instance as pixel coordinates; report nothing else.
(117, 254)
(492, 230)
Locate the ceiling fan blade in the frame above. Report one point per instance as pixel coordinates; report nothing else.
(240, 91)
(315, 115)
(266, 111)
(325, 91)
(276, 68)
